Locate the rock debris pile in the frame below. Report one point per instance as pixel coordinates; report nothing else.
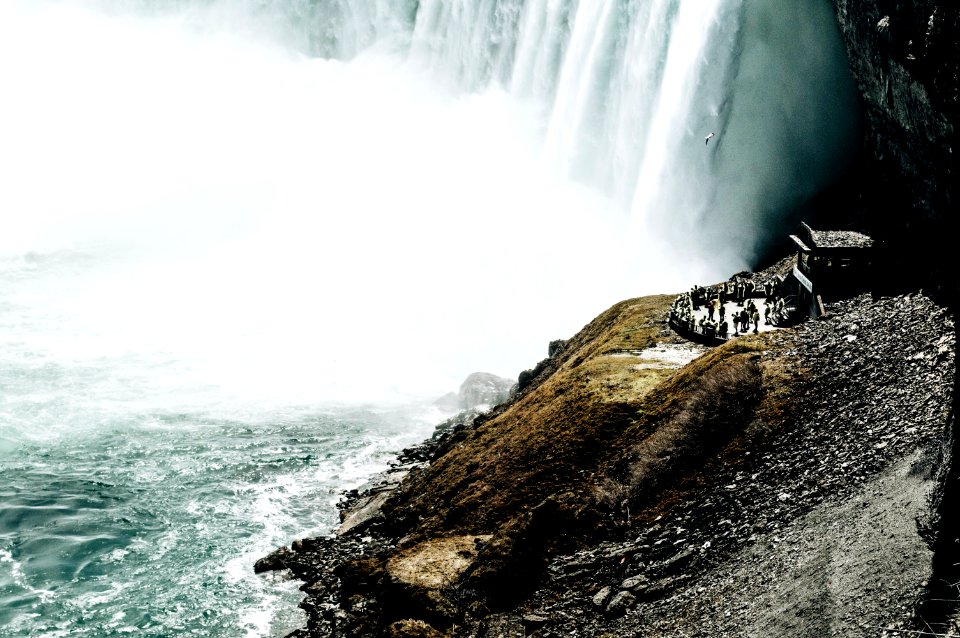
(873, 389)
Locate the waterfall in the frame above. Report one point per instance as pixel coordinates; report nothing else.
(558, 140)
(629, 89)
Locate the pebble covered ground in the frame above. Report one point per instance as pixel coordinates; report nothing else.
(877, 376)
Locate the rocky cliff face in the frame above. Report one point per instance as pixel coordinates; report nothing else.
(905, 59)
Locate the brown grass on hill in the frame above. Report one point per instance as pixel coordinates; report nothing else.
(551, 438)
(717, 406)
(593, 436)
(706, 416)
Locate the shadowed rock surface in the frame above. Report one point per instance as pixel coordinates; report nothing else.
(905, 56)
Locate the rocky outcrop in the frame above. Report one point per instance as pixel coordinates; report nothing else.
(479, 391)
(483, 389)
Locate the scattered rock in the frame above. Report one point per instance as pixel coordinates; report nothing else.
(533, 622)
(635, 583)
(503, 626)
(413, 629)
(620, 603)
(601, 598)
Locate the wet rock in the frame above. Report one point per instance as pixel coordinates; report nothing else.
(412, 629)
(483, 390)
(676, 563)
(635, 583)
(556, 347)
(662, 586)
(533, 622)
(275, 560)
(479, 391)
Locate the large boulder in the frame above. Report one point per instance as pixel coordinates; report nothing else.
(483, 389)
(479, 391)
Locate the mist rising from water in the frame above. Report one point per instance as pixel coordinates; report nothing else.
(219, 219)
(189, 190)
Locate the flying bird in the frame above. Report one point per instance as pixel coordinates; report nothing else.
(706, 140)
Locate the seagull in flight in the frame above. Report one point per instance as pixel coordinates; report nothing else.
(706, 140)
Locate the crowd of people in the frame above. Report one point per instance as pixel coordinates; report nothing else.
(715, 321)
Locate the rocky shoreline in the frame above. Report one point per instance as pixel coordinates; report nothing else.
(815, 515)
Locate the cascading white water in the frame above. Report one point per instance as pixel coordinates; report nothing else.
(631, 89)
(227, 223)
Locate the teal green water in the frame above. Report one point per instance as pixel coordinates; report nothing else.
(150, 527)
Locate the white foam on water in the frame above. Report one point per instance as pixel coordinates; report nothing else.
(271, 612)
(166, 543)
(89, 600)
(20, 579)
(116, 556)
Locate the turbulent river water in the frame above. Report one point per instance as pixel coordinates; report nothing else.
(149, 525)
(245, 244)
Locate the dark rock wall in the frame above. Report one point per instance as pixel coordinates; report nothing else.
(905, 59)
(904, 56)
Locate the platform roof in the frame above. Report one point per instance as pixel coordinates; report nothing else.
(799, 242)
(840, 239)
(836, 238)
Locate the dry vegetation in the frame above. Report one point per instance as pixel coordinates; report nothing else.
(711, 412)
(595, 438)
(546, 441)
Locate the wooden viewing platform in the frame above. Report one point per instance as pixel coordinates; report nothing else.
(831, 264)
